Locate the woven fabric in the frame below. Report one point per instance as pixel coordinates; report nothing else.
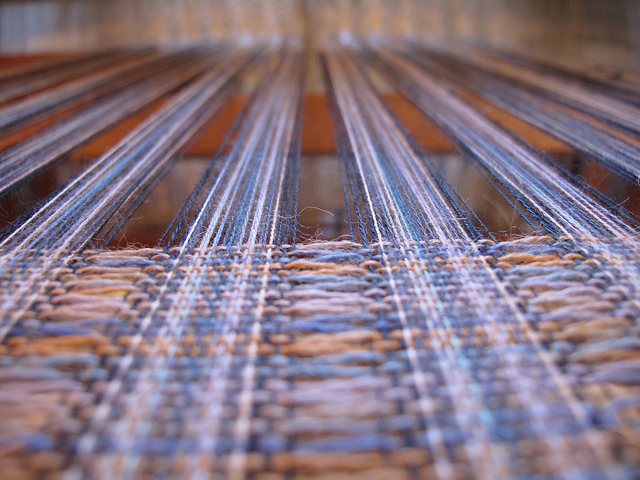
(329, 360)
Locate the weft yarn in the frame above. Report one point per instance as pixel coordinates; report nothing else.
(349, 373)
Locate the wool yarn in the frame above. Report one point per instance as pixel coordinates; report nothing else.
(421, 347)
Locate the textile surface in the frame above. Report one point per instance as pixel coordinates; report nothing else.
(517, 359)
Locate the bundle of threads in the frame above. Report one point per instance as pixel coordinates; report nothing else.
(419, 347)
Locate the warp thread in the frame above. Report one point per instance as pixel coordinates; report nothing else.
(410, 351)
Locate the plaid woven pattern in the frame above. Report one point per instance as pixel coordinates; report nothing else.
(329, 360)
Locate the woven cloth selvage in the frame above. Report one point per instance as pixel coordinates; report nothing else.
(330, 360)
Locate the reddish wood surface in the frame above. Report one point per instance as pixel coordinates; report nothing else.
(317, 137)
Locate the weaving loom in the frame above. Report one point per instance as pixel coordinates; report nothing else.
(421, 344)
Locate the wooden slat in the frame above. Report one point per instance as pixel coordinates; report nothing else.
(528, 133)
(317, 136)
(8, 61)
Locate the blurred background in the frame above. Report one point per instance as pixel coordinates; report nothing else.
(605, 32)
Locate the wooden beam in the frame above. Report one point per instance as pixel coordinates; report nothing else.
(526, 132)
(317, 137)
